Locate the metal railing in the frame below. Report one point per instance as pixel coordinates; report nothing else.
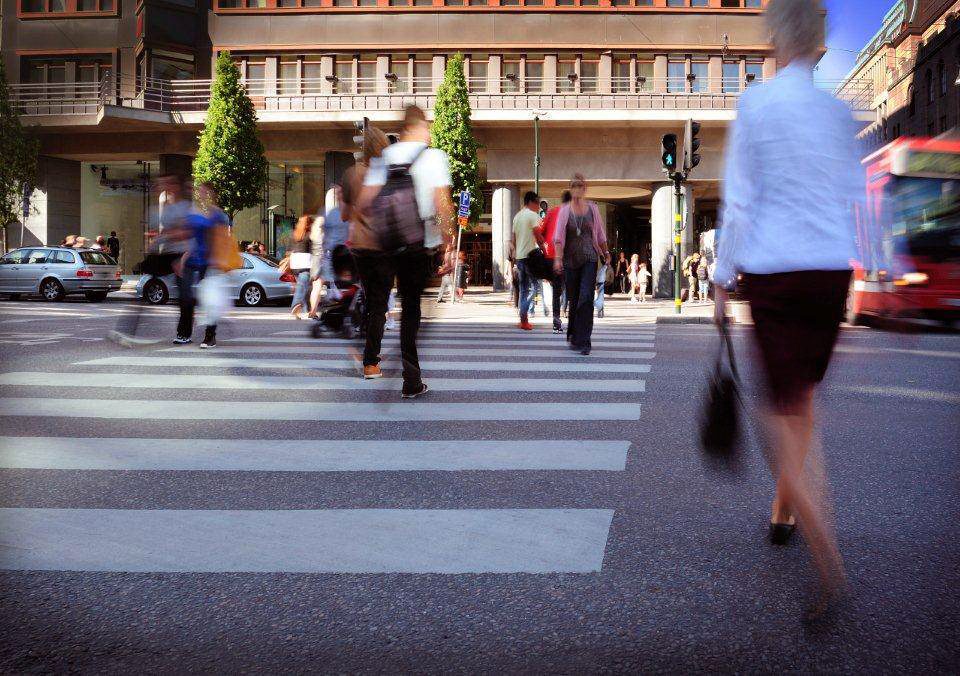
(332, 94)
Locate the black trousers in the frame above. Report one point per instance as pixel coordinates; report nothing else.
(189, 276)
(581, 283)
(377, 273)
(556, 284)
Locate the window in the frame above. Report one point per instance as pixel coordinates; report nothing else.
(66, 6)
(676, 76)
(366, 76)
(911, 94)
(929, 79)
(247, 263)
(399, 83)
(731, 77)
(533, 73)
(565, 3)
(37, 256)
(166, 65)
(95, 258)
(511, 75)
(477, 73)
(343, 70)
(288, 75)
(566, 75)
(943, 123)
(14, 257)
(942, 72)
(63, 257)
(699, 3)
(52, 71)
(620, 82)
(753, 73)
(312, 74)
(676, 3)
(423, 73)
(644, 76)
(700, 71)
(590, 73)
(256, 73)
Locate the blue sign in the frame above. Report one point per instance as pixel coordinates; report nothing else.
(464, 204)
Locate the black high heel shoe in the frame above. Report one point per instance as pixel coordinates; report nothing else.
(780, 533)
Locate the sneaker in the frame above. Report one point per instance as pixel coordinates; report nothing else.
(182, 340)
(525, 325)
(414, 393)
(391, 324)
(371, 372)
(210, 340)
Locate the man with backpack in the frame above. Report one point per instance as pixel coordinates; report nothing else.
(407, 197)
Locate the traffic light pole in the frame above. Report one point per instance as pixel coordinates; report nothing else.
(677, 228)
(536, 154)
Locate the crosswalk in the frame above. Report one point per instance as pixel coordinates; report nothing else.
(501, 401)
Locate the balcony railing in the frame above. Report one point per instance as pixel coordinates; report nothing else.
(331, 94)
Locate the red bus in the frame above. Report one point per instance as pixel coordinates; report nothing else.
(909, 234)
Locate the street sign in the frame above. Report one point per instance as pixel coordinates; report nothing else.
(462, 221)
(464, 210)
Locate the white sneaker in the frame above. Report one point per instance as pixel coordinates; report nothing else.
(391, 324)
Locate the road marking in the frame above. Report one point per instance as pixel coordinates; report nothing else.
(308, 455)
(904, 392)
(407, 411)
(583, 366)
(246, 382)
(554, 342)
(529, 353)
(306, 541)
(899, 350)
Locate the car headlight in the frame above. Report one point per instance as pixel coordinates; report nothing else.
(912, 279)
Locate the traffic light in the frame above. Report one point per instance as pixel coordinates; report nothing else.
(361, 126)
(691, 144)
(668, 149)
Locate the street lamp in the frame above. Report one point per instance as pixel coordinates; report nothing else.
(537, 114)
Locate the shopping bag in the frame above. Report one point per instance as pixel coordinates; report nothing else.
(212, 295)
(720, 411)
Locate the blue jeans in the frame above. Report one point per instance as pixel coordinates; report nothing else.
(526, 287)
(303, 287)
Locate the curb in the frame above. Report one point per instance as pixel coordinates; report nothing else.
(680, 319)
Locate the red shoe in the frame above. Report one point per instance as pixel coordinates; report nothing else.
(525, 325)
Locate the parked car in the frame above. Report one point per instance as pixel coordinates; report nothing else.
(256, 283)
(54, 272)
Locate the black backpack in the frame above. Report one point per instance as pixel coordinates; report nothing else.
(396, 218)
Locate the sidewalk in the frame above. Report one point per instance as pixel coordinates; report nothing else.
(616, 307)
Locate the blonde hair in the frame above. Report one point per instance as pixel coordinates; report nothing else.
(303, 227)
(374, 141)
(796, 28)
(577, 178)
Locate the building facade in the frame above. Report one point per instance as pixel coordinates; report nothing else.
(117, 90)
(913, 67)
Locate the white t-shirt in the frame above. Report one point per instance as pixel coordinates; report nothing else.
(429, 172)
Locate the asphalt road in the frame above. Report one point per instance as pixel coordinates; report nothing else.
(533, 513)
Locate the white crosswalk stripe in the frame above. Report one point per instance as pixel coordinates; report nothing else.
(514, 374)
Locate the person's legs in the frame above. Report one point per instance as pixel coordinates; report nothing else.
(376, 274)
(446, 282)
(584, 306)
(185, 287)
(573, 279)
(412, 273)
(300, 291)
(598, 301)
(524, 290)
(556, 287)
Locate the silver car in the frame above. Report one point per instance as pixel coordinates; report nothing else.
(54, 272)
(257, 282)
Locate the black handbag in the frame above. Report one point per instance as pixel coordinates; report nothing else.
(720, 412)
(539, 265)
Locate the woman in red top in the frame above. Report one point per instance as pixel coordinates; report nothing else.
(547, 230)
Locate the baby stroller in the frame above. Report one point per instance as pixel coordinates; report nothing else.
(346, 315)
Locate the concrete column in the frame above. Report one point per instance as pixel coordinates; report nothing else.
(270, 76)
(494, 73)
(715, 73)
(769, 68)
(550, 74)
(326, 70)
(439, 66)
(660, 73)
(605, 73)
(53, 206)
(661, 240)
(506, 200)
(383, 67)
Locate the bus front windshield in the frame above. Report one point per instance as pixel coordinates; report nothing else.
(925, 214)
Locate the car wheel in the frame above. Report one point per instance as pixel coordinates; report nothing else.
(252, 294)
(95, 296)
(155, 292)
(51, 289)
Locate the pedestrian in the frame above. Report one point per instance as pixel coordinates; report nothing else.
(689, 270)
(633, 274)
(407, 196)
(445, 271)
(548, 230)
(202, 222)
(463, 275)
(581, 242)
(643, 277)
(113, 246)
(601, 281)
(523, 240)
(100, 243)
(789, 231)
(621, 276)
(300, 260)
(703, 279)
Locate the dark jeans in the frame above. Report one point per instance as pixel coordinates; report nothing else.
(377, 274)
(580, 285)
(556, 283)
(189, 276)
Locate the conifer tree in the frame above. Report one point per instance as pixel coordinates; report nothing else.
(231, 155)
